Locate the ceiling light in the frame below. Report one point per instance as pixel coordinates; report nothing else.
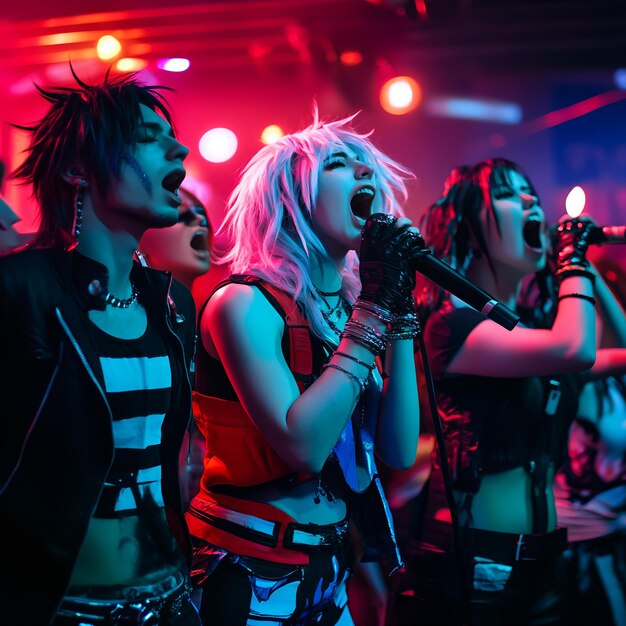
(271, 134)
(174, 65)
(130, 65)
(218, 145)
(400, 95)
(108, 47)
(476, 109)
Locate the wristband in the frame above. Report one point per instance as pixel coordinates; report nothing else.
(581, 296)
(575, 270)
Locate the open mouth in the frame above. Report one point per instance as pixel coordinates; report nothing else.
(200, 241)
(173, 181)
(532, 234)
(361, 202)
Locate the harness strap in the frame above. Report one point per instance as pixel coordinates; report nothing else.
(297, 341)
(540, 462)
(299, 335)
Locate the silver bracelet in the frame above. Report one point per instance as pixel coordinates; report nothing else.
(380, 312)
(361, 382)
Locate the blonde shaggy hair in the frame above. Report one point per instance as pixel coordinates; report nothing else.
(267, 230)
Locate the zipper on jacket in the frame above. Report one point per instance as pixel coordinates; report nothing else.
(89, 371)
(171, 308)
(83, 359)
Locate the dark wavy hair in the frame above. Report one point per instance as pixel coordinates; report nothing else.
(452, 226)
(93, 126)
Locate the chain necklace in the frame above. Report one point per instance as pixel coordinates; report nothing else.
(331, 324)
(328, 293)
(332, 309)
(122, 303)
(335, 312)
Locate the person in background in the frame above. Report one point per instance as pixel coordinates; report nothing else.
(185, 250)
(506, 399)
(10, 237)
(304, 369)
(590, 489)
(96, 356)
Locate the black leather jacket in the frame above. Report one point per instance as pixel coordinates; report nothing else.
(56, 442)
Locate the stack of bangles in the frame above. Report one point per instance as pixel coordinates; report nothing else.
(399, 327)
(405, 326)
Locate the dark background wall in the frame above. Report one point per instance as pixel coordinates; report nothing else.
(259, 62)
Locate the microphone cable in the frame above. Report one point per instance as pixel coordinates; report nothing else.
(447, 482)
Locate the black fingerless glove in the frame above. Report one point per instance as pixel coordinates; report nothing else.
(570, 243)
(569, 247)
(386, 263)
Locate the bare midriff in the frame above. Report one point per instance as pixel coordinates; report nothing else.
(123, 551)
(503, 502)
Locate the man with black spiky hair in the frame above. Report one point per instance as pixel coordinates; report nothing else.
(96, 354)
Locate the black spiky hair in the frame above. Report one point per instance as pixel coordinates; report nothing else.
(93, 126)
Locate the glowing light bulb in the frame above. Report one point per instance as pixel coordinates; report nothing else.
(271, 134)
(400, 95)
(575, 201)
(174, 64)
(218, 145)
(108, 47)
(128, 64)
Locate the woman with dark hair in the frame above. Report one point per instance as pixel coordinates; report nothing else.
(184, 248)
(506, 399)
(304, 369)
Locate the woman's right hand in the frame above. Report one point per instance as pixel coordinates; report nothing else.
(570, 243)
(387, 270)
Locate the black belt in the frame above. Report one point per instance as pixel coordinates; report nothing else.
(510, 547)
(307, 538)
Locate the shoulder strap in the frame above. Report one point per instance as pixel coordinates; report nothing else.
(300, 355)
(298, 349)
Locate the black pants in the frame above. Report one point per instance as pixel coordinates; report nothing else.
(597, 579)
(429, 592)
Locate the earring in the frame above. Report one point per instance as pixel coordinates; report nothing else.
(78, 208)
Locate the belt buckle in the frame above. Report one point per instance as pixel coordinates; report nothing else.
(323, 540)
(519, 547)
(136, 613)
(289, 540)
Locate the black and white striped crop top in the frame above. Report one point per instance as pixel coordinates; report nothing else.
(137, 382)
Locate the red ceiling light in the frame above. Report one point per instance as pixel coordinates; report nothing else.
(351, 57)
(400, 95)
